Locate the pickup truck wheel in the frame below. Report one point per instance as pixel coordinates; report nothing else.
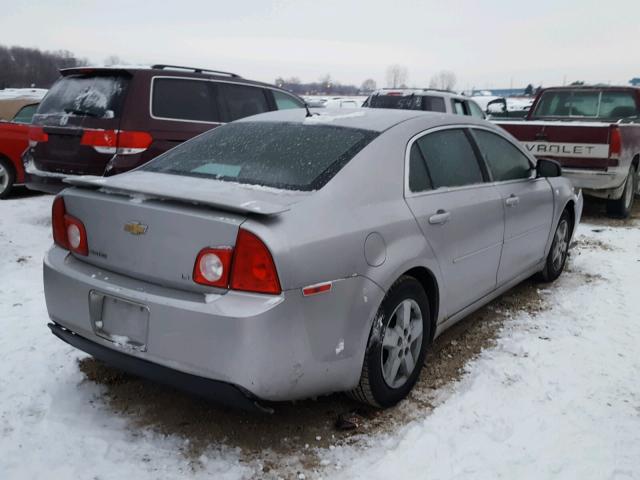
(396, 347)
(622, 207)
(557, 257)
(7, 177)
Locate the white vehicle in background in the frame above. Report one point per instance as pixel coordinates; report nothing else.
(426, 99)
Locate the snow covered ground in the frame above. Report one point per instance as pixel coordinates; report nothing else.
(558, 396)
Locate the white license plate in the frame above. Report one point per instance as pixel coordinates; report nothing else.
(120, 321)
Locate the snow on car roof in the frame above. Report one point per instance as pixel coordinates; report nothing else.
(12, 93)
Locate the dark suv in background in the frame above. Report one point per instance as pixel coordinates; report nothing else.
(103, 121)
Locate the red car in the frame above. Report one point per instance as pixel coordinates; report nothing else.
(14, 140)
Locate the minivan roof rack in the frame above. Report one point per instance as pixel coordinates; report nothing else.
(194, 69)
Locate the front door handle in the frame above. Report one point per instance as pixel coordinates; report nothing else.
(512, 201)
(439, 218)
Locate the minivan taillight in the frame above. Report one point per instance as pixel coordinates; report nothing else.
(253, 269)
(615, 142)
(68, 232)
(37, 135)
(123, 142)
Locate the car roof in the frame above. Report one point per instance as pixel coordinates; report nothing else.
(594, 87)
(375, 119)
(172, 71)
(416, 91)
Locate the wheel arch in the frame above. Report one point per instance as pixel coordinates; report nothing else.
(428, 281)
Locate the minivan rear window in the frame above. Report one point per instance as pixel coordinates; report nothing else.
(91, 95)
(283, 155)
(428, 103)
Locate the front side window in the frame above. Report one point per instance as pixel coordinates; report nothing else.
(284, 101)
(458, 107)
(275, 154)
(450, 159)
(25, 114)
(504, 160)
(183, 99)
(475, 110)
(243, 101)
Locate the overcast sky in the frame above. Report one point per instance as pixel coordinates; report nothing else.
(490, 43)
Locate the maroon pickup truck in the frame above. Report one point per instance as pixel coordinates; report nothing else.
(594, 132)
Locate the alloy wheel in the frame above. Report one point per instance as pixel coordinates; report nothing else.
(560, 244)
(401, 343)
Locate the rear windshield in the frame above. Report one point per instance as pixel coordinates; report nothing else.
(587, 104)
(98, 96)
(408, 102)
(291, 156)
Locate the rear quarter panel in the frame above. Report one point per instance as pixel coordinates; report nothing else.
(14, 140)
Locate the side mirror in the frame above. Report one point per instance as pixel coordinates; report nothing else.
(548, 168)
(497, 107)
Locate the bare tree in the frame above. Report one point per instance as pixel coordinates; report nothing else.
(396, 75)
(113, 60)
(368, 85)
(444, 80)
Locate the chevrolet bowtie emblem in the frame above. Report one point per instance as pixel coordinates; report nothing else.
(135, 228)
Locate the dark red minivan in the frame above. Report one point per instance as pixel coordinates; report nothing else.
(103, 121)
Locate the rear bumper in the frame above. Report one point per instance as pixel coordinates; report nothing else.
(41, 181)
(598, 183)
(277, 348)
(220, 392)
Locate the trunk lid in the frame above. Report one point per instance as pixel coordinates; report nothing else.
(153, 240)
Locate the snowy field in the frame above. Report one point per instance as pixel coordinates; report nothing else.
(555, 393)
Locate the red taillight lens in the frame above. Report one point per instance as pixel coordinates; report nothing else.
(37, 135)
(116, 141)
(57, 222)
(615, 142)
(68, 232)
(253, 268)
(213, 266)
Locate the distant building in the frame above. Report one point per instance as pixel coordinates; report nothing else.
(501, 92)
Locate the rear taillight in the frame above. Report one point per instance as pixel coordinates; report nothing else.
(213, 266)
(615, 142)
(116, 141)
(248, 267)
(68, 232)
(37, 135)
(253, 267)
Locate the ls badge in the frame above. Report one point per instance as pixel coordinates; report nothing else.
(135, 228)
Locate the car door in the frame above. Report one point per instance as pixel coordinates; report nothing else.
(528, 203)
(459, 211)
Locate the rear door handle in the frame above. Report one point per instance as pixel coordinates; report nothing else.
(439, 218)
(512, 201)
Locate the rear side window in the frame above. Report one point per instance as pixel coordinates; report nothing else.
(283, 155)
(243, 101)
(284, 101)
(405, 102)
(25, 114)
(505, 161)
(433, 104)
(183, 99)
(617, 105)
(419, 180)
(450, 159)
(99, 96)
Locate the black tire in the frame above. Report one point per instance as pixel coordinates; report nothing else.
(557, 257)
(7, 177)
(373, 389)
(621, 207)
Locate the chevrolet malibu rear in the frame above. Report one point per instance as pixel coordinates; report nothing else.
(186, 270)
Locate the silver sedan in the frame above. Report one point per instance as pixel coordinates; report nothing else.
(292, 254)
